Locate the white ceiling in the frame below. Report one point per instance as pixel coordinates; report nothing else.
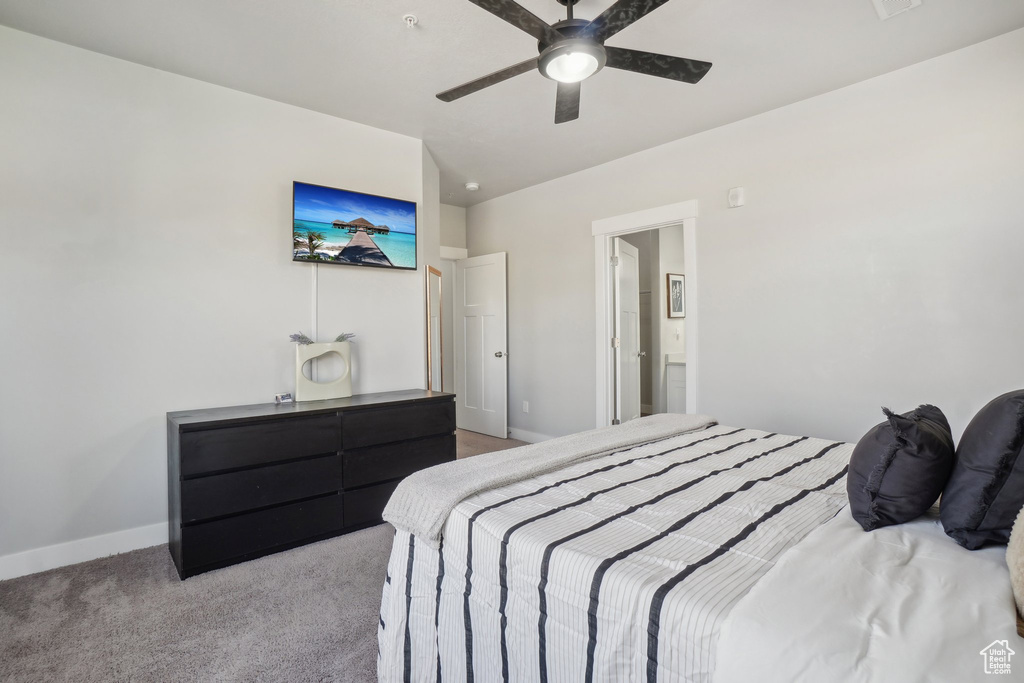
(356, 59)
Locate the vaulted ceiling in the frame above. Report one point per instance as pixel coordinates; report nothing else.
(357, 59)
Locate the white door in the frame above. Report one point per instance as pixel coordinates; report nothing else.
(627, 330)
(481, 366)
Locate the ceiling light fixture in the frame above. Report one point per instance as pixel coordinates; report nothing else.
(573, 50)
(572, 61)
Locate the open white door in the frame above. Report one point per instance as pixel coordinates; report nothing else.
(480, 341)
(627, 330)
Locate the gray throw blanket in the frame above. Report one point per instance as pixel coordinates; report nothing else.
(422, 502)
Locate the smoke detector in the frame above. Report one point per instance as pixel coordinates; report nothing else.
(472, 187)
(889, 8)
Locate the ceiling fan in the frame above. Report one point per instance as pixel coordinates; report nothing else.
(573, 50)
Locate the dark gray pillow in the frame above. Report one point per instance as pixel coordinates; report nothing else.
(899, 468)
(986, 490)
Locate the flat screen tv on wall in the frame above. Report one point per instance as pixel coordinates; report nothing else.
(351, 228)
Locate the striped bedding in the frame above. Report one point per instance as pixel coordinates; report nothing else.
(619, 568)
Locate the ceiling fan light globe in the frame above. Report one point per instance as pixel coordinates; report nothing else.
(572, 67)
(572, 61)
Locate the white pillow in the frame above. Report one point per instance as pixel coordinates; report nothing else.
(1015, 561)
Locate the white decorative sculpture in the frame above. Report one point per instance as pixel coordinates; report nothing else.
(308, 390)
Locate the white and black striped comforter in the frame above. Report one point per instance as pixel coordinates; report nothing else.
(620, 568)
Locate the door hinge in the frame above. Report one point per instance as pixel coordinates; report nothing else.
(615, 342)
(615, 261)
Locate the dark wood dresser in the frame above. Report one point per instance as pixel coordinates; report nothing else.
(252, 480)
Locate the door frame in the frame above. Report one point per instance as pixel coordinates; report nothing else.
(450, 255)
(683, 213)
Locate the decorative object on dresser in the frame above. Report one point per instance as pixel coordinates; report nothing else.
(248, 481)
(306, 351)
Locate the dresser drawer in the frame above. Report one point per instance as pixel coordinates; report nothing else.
(256, 533)
(379, 463)
(360, 428)
(365, 505)
(212, 450)
(225, 494)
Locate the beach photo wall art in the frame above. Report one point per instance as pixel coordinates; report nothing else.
(352, 228)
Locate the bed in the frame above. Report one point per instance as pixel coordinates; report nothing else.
(636, 553)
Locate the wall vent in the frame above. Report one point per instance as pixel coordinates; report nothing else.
(889, 8)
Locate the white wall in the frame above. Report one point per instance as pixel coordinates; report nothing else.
(453, 234)
(670, 260)
(429, 241)
(876, 262)
(145, 264)
(453, 226)
(430, 214)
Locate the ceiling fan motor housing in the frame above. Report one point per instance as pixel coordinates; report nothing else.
(569, 28)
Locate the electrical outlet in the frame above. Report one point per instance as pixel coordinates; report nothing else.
(526, 406)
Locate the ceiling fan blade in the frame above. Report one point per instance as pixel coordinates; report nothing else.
(619, 16)
(567, 102)
(488, 80)
(652, 64)
(521, 18)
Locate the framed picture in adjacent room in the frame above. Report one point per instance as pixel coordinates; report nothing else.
(676, 296)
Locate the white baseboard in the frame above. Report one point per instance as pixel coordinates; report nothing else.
(528, 437)
(82, 550)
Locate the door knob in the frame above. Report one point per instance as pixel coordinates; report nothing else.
(499, 354)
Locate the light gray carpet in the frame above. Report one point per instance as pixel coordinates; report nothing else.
(308, 614)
